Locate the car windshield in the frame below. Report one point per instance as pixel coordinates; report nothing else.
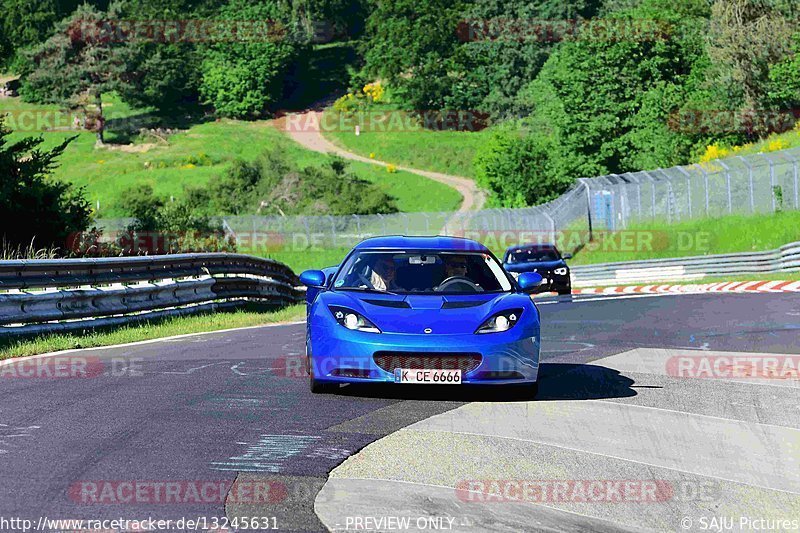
(533, 255)
(422, 272)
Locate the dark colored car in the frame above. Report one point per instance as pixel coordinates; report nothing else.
(544, 259)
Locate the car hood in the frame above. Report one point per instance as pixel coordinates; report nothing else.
(452, 314)
(528, 267)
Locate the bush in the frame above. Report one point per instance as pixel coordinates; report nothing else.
(517, 169)
(37, 208)
(273, 185)
(244, 77)
(162, 227)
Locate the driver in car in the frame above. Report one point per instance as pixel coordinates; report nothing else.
(454, 266)
(383, 275)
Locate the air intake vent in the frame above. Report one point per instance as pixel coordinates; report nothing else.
(462, 304)
(398, 304)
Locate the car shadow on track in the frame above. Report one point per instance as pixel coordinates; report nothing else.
(557, 381)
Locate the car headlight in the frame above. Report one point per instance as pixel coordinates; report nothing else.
(352, 320)
(560, 271)
(500, 322)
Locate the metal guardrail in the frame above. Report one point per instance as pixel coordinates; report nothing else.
(784, 259)
(39, 296)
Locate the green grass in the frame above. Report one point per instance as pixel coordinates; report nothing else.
(194, 156)
(20, 347)
(729, 234)
(449, 152)
(299, 260)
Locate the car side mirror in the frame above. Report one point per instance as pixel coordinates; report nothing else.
(529, 281)
(313, 278)
(566, 256)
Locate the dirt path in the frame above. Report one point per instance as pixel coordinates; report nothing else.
(311, 138)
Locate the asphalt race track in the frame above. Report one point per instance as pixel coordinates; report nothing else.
(231, 408)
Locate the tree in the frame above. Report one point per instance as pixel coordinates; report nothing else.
(784, 86)
(243, 74)
(517, 169)
(605, 103)
(458, 54)
(24, 23)
(81, 62)
(35, 207)
(141, 203)
(747, 37)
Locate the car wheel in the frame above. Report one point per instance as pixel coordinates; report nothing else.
(564, 292)
(316, 386)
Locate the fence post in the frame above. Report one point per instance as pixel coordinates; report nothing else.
(688, 189)
(705, 183)
(752, 192)
(794, 165)
(728, 184)
(333, 230)
(771, 180)
(653, 190)
(588, 205)
(552, 226)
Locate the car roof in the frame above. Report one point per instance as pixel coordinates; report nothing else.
(535, 246)
(439, 243)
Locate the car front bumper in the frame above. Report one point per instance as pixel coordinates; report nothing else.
(338, 355)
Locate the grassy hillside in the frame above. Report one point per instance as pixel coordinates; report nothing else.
(201, 149)
(450, 152)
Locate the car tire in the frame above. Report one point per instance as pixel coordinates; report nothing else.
(565, 292)
(318, 387)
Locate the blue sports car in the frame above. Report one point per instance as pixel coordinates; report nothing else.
(421, 310)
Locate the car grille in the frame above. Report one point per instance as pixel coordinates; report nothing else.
(466, 362)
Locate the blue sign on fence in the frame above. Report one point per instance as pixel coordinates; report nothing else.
(603, 208)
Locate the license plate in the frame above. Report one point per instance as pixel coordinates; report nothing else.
(428, 377)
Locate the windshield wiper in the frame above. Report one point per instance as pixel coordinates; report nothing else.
(366, 289)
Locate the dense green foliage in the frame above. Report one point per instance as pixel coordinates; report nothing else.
(601, 87)
(273, 185)
(573, 88)
(35, 208)
(244, 76)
